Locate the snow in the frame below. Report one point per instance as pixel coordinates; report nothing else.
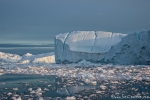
(87, 45)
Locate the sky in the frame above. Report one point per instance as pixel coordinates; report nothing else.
(38, 21)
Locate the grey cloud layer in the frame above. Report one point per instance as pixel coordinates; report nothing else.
(37, 20)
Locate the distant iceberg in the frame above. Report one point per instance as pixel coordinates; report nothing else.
(7, 57)
(103, 47)
(27, 58)
(38, 58)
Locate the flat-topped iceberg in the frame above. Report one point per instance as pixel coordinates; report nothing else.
(103, 47)
(87, 45)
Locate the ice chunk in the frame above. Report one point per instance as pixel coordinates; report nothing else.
(70, 98)
(30, 89)
(15, 89)
(38, 89)
(16, 98)
(9, 93)
(40, 98)
(103, 87)
(28, 54)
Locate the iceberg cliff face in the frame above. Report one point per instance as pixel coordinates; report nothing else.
(87, 45)
(133, 49)
(103, 47)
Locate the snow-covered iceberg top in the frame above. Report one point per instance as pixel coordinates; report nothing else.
(90, 41)
(103, 47)
(84, 45)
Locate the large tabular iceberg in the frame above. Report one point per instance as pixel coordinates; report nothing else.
(103, 47)
(87, 45)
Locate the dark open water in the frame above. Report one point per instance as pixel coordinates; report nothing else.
(19, 84)
(23, 50)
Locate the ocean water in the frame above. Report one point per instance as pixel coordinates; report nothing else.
(53, 88)
(23, 50)
(20, 83)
